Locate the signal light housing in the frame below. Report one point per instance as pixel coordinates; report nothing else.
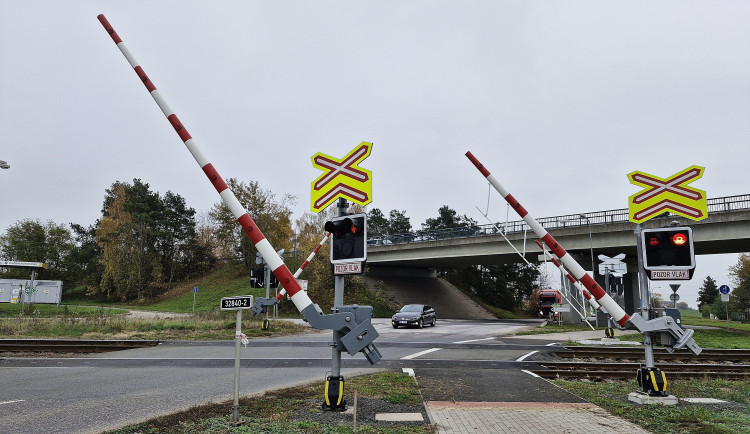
(668, 253)
(348, 238)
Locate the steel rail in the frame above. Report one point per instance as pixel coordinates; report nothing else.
(630, 375)
(71, 345)
(716, 354)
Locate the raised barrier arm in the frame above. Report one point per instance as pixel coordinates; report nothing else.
(262, 304)
(601, 296)
(682, 338)
(358, 334)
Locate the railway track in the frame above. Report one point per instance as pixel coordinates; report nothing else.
(599, 363)
(70, 345)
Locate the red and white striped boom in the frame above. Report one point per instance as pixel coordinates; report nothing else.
(570, 278)
(304, 264)
(617, 313)
(282, 273)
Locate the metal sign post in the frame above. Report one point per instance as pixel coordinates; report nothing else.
(645, 302)
(238, 303)
(195, 292)
(724, 290)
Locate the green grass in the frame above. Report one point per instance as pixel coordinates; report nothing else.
(732, 418)
(279, 411)
(709, 338)
(51, 310)
(692, 319)
(216, 326)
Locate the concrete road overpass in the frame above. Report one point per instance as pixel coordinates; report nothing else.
(726, 230)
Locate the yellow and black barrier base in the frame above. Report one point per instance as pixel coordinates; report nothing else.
(652, 381)
(265, 324)
(609, 332)
(334, 394)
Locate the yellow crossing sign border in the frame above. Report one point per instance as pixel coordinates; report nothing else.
(667, 194)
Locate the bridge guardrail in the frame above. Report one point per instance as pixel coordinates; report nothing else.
(715, 205)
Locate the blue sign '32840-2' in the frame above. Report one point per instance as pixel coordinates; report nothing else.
(724, 289)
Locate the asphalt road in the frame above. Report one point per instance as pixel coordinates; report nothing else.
(105, 391)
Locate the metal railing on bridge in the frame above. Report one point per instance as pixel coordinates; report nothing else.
(716, 205)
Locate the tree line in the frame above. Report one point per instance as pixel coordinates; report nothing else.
(144, 243)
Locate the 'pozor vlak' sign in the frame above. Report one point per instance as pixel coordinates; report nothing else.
(342, 177)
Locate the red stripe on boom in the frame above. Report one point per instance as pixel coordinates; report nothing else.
(286, 278)
(181, 130)
(478, 165)
(516, 205)
(109, 29)
(593, 287)
(553, 245)
(571, 278)
(251, 229)
(144, 78)
(214, 177)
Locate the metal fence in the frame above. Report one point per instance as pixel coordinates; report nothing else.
(716, 205)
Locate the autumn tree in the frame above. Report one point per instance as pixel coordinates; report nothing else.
(740, 274)
(147, 242)
(118, 246)
(271, 215)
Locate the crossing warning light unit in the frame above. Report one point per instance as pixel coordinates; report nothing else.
(668, 253)
(348, 238)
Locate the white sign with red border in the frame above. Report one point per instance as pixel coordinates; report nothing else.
(347, 268)
(670, 274)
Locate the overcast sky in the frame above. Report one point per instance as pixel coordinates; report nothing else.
(559, 99)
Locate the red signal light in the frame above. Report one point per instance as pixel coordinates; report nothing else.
(653, 240)
(679, 239)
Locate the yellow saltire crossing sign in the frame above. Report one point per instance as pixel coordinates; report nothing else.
(342, 178)
(670, 194)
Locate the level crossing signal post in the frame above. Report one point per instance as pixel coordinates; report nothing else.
(663, 254)
(677, 336)
(348, 254)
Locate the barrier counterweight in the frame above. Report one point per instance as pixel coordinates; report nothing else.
(282, 273)
(617, 313)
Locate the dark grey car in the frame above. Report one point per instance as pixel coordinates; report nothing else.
(417, 315)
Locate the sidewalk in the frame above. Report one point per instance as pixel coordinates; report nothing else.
(499, 401)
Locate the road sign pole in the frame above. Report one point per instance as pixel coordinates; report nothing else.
(195, 292)
(237, 338)
(645, 302)
(338, 301)
(726, 309)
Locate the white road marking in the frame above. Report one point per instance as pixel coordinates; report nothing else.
(409, 371)
(473, 340)
(421, 353)
(553, 343)
(530, 373)
(522, 358)
(11, 402)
